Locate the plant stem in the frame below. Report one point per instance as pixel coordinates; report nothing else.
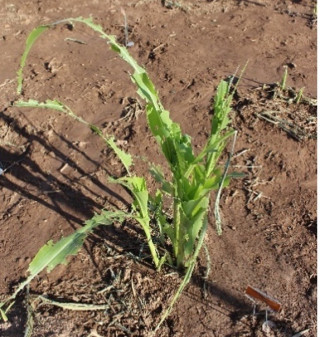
(177, 225)
(146, 227)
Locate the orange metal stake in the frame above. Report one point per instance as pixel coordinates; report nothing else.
(259, 295)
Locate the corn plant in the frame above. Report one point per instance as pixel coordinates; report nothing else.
(193, 176)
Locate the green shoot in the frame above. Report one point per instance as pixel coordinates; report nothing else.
(29, 43)
(138, 187)
(299, 96)
(192, 180)
(283, 83)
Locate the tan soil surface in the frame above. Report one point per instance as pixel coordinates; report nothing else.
(56, 169)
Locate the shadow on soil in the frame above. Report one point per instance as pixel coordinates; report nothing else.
(17, 320)
(213, 297)
(24, 176)
(21, 174)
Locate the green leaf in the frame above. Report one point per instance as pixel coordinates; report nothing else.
(159, 177)
(192, 207)
(191, 228)
(48, 104)
(194, 230)
(222, 107)
(124, 157)
(3, 314)
(33, 36)
(138, 187)
(159, 123)
(53, 254)
(146, 88)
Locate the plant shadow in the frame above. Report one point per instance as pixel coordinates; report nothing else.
(23, 175)
(219, 299)
(60, 194)
(75, 200)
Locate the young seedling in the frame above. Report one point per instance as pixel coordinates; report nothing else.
(193, 177)
(283, 83)
(280, 90)
(299, 96)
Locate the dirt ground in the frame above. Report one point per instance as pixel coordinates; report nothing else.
(56, 170)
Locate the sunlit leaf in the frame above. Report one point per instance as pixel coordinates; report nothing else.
(33, 36)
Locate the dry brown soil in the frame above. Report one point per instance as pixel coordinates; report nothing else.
(56, 169)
